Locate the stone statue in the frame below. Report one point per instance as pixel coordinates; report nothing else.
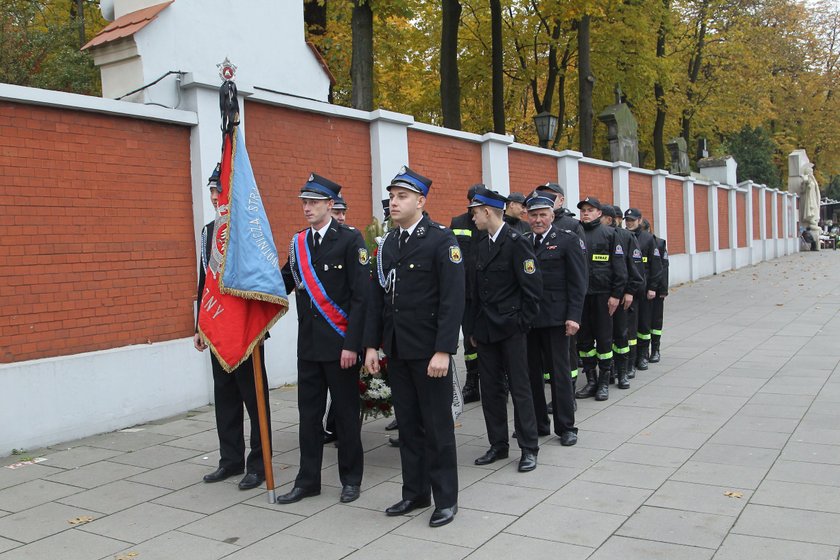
(679, 156)
(810, 204)
(622, 130)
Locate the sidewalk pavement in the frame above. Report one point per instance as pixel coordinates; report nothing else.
(727, 449)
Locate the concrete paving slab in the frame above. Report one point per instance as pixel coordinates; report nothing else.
(96, 474)
(501, 498)
(341, 524)
(701, 498)
(242, 525)
(41, 521)
(34, 493)
(651, 455)
(798, 495)
(181, 546)
(789, 524)
(113, 497)
(471, 528)
(742, 547)
(291, 546)
(154, 456)
(173, 477)
(393, 546)
(627, 474)
(625, 548)
(715, 474)
(735, 455)
(568, 525)
(69, 545)
(12, 477)
(600, 496)
(750, 438)
(125, 440)
(506, 545)
(7, 544)
(140, 523)
(811, 453)
(806, 473)
(79, 456)
(677, 527)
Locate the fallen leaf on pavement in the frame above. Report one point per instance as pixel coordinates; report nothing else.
(732, 494)
(81, 520)
(127, 556)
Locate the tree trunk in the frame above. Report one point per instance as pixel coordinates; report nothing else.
(586, 83)
(497, 67)
(561, 95)
(450, 83)
(361, 66)
(659, 95)
(695, 63)
(80, 17)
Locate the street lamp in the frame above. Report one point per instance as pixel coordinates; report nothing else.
(546, 124)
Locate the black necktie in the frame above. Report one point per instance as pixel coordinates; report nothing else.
(316, 241)
(537, 241)
(403, 238)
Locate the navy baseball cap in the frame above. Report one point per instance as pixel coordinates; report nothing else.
(591, 201)
(632, 214)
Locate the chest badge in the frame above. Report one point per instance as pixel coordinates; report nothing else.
(529, 266)
(455, 254)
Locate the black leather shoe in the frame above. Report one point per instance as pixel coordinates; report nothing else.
(442, 516)
(528, 461)
(329, 437)
(407, 506)
(394, 441)
(492, 456)
(296, 495)
(221, 474)
(251, 480)
(349, 493)
(568, 439)
(392, 425)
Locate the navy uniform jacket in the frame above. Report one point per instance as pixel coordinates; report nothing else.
(423, 308)
(651, 259)
(561, 256)
(517, 224)
(508, 287)
(467, 235)
(633, 260)
(204, 258)
(565, 219)
(341, 264)
(662, 287)
(607, 267)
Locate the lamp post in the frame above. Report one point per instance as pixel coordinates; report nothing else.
(546, 124)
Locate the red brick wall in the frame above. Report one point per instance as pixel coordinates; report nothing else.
(98, 247)
(723, 219)
(768, 214)
(756, 233)
(452, 164)
(641, 196)
(741, 208)
(527, 170)
(676, 222)
(287, 145)
(780, 215)
(596, 181)
(701, 218)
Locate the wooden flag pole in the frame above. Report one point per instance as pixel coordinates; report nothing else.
(265, 429)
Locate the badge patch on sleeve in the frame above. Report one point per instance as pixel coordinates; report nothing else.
(656, 252)
(455, 254)
(619, 250)
(363, 256)
(637, 254)
(529, 266)
(582, 245)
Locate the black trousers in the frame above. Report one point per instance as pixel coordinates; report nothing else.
(470, 349)
(594, 339)
(644, 308)
(423, 406)
(508, 356)
(619, 321)
(314, 378)
(633, 323)
(548, 351)
(231, 391)
(573, 356)
(657, 315)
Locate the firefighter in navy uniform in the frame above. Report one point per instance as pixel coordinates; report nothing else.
(328, 267)
(415, 313)
(467, 235)
(515, 215)
(621, 345)
(658, 304)
(607, 279)
(652, 271)
(561, 257)
(565, 219)
(232, 390)
(506, 300)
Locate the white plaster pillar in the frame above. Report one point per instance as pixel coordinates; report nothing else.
(748, 210)
(714, 226)
(660, 206)
(689, 225)
(568, 176)
(621, 184)
(733, 225)
(388, 152)
(495, 171)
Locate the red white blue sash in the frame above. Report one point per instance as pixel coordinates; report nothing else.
(306, 276)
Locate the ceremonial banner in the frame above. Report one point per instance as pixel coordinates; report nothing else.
(244, 294)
